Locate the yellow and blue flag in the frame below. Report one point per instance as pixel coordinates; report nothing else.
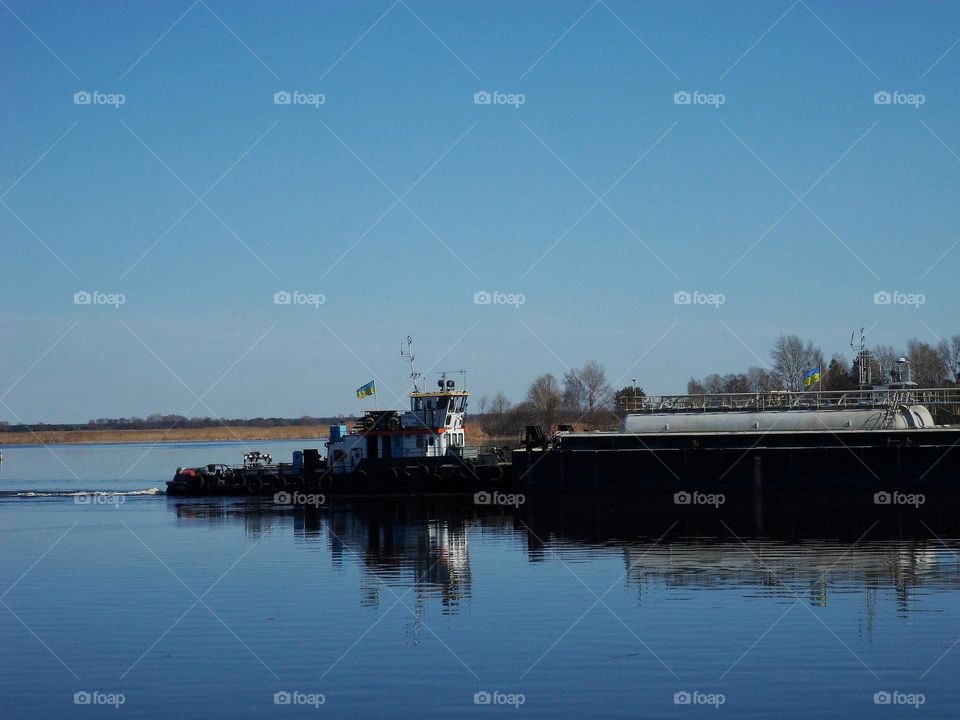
(811, 376)
(366, 390)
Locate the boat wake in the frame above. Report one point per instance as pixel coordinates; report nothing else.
(79, 493)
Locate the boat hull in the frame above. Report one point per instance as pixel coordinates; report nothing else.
(710, 462)
(427, 476)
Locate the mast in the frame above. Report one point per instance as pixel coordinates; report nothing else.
(409, 357)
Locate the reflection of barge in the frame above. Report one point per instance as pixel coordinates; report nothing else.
(421, 450)
(884, 438)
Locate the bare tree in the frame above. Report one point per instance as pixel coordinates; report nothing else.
(760, 379)
(885, 357)
(496, 421)
(546, 399)
(736, 383)
(792, 357)
(596, 388)
(500, 405)
(949, 351)
(574, 393)
(928, 366)
(695, 387)
(713, 384)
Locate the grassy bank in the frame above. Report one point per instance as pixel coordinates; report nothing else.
(211, 434)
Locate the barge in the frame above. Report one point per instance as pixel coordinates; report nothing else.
(884, 438)
(420, 450)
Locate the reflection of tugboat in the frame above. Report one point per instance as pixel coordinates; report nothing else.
(420, 450)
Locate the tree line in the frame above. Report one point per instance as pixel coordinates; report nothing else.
(583, 396)
(169, 422)
(791, 357)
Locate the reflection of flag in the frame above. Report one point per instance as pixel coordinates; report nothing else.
(366, 391)
(811, 376)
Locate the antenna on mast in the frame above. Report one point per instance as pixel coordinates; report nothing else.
(863, 359)
(409, 357)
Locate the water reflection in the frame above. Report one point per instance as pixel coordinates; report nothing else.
(814, 548)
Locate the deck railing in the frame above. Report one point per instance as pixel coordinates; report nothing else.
(945, 398)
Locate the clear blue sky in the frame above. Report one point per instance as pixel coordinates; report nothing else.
(504, 198)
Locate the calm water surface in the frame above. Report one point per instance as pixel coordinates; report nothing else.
(565, 607)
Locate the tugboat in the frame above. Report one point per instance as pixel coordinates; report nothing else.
(420, 450)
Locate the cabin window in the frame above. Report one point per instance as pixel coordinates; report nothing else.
(430, 441)
(418, 403)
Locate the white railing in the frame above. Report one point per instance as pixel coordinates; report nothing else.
(784, 400)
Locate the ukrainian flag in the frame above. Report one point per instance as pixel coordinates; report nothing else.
(811, 377)
(366, 390)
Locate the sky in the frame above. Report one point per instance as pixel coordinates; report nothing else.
(521, 187)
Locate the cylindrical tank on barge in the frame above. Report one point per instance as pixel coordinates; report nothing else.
(905, 417)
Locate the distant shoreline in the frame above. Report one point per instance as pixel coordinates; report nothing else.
(176, 435)
(180, 435)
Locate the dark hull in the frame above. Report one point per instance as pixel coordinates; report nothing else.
(618, 463)
(428, 476)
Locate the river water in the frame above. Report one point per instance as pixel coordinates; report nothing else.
(135, 604)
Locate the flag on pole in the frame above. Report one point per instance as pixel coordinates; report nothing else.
(811, 377)
(366, 390)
